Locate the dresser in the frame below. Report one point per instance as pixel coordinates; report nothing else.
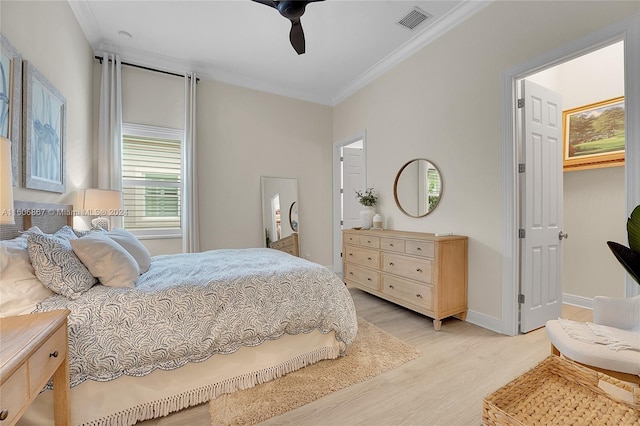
(420, 271)
(287, 244)
(33, 350)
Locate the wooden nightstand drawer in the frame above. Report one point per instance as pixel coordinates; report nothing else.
(420, 248)
(392, 244)
(362, 256)
(409, 291)
(14, 394)
(47, 359)
(415, 269)
(363, 276)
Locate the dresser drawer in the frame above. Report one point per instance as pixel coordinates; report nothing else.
(43, 363)
(392, 244)
(408, 267)
(408, 291)
(14, 394)
(362, 256)
(369, 241)
(352, 239)
(363, 276)
(420, 248)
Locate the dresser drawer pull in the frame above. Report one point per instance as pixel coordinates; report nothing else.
(419, 296)
(350, 273)
(54, 354)
(390, 244)
(368, 279)
(392, 287)
(418, 270)
(368, 241)
(419, 248)
(4, 414)
(390, 263)
(350, 254)
(368, 258)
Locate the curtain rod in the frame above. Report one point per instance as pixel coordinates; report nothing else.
(101, 58)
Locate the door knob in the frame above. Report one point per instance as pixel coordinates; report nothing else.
(562, 235)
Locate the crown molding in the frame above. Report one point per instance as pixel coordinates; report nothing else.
(454, 18)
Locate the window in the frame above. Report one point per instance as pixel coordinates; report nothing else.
(151, 177)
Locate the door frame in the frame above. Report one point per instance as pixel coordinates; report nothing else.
(337, 214)
(628, 31)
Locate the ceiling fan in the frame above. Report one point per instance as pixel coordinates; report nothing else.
(292, 10)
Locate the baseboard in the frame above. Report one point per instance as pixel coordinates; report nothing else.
(485, 321)
(580, 301)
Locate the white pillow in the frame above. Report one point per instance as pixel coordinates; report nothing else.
(107, 260)
(20, 289)
(135, 248)
(57, 267)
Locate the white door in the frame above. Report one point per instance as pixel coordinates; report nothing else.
(353, 180)
(541, 213)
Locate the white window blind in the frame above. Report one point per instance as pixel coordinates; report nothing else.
(151, 176)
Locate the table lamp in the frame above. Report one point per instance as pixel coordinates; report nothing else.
(101, 203)
(6, 183)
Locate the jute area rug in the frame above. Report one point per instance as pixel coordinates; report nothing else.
(372, 353)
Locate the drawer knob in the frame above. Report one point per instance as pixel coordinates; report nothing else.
(368, 279)
(419, 248)
(390, 286)
(4, 414)
(419, 296)
(368, 241)
(390, 244)
(418, 270)
(350, 273)
(54, 354)
(350, 254)
(368, 258)
(390, 263)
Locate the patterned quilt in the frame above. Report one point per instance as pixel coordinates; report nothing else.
(188, 307)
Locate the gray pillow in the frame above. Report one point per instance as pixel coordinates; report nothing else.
(131, 244)
(106, 260)
(56, 265)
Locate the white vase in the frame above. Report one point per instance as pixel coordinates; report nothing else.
(366, 217)
(377, 221)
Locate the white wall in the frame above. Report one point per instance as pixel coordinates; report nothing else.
(64, 58)
(444, 104)
(594, 200)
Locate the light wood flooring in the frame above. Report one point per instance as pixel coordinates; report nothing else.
(459, 366)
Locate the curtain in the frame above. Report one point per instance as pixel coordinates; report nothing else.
(189, 212)
(109, 149)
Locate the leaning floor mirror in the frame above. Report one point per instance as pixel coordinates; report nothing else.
(280, 221)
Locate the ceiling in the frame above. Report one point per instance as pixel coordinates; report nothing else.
(241, 42)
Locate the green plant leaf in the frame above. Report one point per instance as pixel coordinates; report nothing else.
(630, 259)
(633, 229)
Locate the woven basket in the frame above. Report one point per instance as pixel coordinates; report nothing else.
(560, 392)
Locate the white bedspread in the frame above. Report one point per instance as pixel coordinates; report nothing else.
(188, 307)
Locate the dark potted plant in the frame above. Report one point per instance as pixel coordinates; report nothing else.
(629, 257)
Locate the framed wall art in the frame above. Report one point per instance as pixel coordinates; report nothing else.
(594, 135)
(10, 99)
(44, 132)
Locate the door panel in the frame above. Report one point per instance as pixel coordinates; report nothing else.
(352, 181)
(541, 254)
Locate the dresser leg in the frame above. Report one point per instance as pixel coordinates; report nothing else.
(463, 316)
(437, 324)
(62, 414)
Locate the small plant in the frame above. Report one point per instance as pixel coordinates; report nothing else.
(368, 198)
(629, 257)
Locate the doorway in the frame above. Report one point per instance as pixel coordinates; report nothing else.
(626, 31)
(349, 175)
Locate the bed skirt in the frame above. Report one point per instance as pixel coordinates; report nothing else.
(128, 400)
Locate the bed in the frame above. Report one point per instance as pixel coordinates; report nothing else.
(188, 329)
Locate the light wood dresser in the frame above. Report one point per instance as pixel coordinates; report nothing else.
(420, 271)
(287, 244)
(33, 350)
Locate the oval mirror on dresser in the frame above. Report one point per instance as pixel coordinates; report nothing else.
(418, 187)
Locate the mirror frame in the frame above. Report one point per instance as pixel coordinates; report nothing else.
(395, 187)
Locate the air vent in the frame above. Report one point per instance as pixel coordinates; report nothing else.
(414, 18)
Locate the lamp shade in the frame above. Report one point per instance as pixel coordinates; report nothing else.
(6, 182)
(101, 202)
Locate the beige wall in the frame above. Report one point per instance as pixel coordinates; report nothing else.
(65, 59)
(444, 102)
(244, 134)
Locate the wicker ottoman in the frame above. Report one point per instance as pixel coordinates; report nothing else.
(560, 392)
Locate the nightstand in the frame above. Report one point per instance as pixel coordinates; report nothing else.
(33, 349)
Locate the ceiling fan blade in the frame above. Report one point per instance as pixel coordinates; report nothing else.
(269, 3)
(296, 36)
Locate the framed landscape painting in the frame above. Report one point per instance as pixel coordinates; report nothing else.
(44, 132)
(594, 135)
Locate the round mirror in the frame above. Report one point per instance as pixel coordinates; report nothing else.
(418, 187)
(293, 216)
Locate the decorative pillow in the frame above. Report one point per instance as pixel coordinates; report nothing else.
(20, 289)
(57, 266)
(106, 260)
(135, 248)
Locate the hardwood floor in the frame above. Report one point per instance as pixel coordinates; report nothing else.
(459, 366)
